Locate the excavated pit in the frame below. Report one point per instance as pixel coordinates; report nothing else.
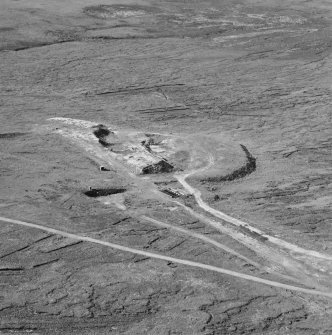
(160, 167)
(171, 193)
(101, 133)
(103, 192)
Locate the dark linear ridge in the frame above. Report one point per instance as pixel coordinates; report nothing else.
(103, 192)
(243, 171)
(11, 135)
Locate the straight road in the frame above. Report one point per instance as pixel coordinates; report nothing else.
(170, 259)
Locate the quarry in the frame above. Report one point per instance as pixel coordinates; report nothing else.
(165, 167)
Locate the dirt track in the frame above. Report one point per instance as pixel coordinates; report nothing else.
(289, 262)
(223, 216)
(169, 259)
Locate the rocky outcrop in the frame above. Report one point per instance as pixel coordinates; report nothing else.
(160, 167)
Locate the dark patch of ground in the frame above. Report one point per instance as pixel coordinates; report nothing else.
(94, 193)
